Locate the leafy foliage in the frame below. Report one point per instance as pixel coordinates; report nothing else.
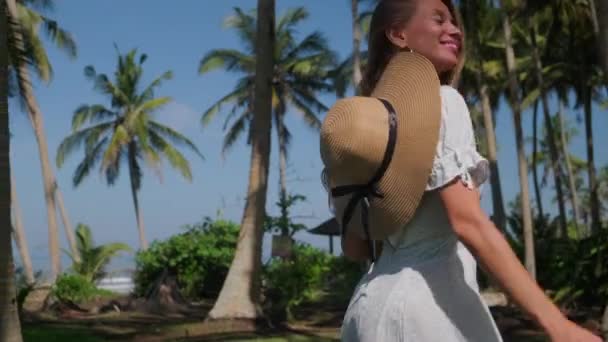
(76, 289)
(311, 275)
(292, 281)
(93, 259)
(284, 223)
(573, 270)
(199, 258)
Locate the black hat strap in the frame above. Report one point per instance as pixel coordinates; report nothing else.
(365, 192)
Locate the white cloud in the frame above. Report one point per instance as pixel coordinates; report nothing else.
(179, 116)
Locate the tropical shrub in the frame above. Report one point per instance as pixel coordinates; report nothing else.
(199, 258)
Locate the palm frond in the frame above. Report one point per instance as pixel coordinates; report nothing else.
(174, 136)
(232, 97)
(175, 158)
(230, 60)
(72, 142)
(234, 133)
(148, 92)
(119, 140)
(91, 158)
(91, 113)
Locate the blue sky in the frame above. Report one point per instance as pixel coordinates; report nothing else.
(175, 38)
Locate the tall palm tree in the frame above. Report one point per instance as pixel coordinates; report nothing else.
(240, 294)
(601, 16)
(126, 132)
(542, 86)
(601, 11)
(357, 36)
(19, 236)
(514, 100)
(482, 75)
(10, 328)
(569, 169)
(26, 52)
(299, 74)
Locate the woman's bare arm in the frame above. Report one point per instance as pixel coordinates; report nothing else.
(478, 233)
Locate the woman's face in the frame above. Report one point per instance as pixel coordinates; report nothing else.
(432, 32)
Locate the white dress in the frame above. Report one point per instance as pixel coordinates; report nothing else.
(423, 288)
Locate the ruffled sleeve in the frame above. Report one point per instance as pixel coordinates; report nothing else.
(456, 154)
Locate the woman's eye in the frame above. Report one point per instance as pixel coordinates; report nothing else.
(438, 19)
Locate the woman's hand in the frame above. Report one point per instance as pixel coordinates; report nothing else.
(570, 332)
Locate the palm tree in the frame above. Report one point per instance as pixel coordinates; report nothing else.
(354, 10)
(542, 86)
(569, 170)
(26, 52)
(300, 72)
(601, 17)
(93, 259)
(601, 12)
(240, 294)
(482, 75)
(514, 100)
(10, 327)
(126, 132)
(19, 236)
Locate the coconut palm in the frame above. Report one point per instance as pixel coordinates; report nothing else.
(93, 259)
(601, 18)
(27, 54)
(10, 328)
(514, 98)
(125, 132)
(482, 80)
(299, 74)
(240, 294)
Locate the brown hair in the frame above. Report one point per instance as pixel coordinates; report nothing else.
(389, 13)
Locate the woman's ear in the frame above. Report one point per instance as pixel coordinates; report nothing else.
(397, 36)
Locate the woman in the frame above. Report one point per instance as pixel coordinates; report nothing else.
(424, 287)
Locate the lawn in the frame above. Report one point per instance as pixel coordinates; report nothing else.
(48, 334)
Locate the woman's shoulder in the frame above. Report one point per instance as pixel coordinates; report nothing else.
(450, 94)
(453, 102)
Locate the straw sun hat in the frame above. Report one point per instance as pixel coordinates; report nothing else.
(378, 151)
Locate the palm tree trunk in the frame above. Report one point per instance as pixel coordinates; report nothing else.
(48, 177)
(557, 175)
(354, 6)
(601, 16)
(280, 125)
(601, 28)
(240, 294)
(526, 211)
(539, 200)
(143, 243)
(67, 226)
(10, 327)
(497, 200)
(595, 207)
(19, 236)
(571, 184)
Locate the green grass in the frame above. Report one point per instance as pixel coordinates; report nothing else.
(49, 334)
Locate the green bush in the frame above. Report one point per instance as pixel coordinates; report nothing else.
(76, 289)
(294, 281)
(199, 258)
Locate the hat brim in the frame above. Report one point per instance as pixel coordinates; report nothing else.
(410, 83)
